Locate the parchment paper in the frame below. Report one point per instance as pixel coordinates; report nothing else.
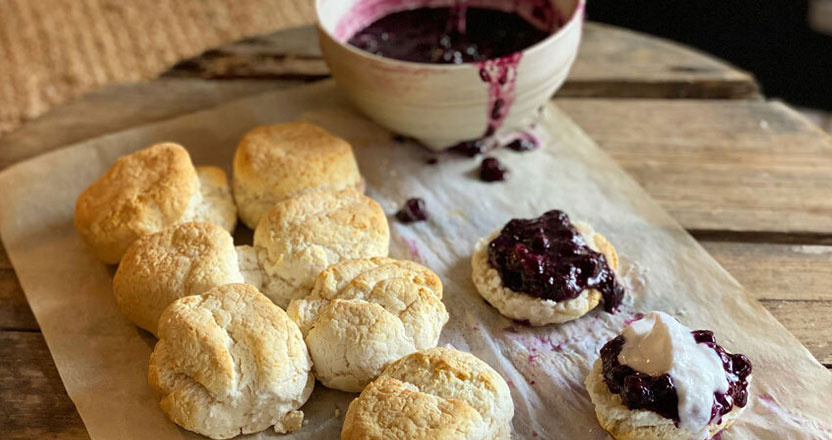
(102, 358)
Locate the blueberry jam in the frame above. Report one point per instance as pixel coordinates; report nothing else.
(447, 35)
(658, 393)
(523, 144)
(548, 258)
(491, 170)
(471, 148)
(412, 211)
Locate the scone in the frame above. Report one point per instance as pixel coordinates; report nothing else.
(363, 314)
(230, 362)
(439, 393)
(546, 270)
(158, 269)
(147, 191)
(661, 381)
(275, 162)
(303, 235)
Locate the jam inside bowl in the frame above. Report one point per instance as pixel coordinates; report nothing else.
(449, 71)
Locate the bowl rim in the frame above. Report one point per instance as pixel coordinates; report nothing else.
(576, 19)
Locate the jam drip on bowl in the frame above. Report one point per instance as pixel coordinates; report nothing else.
(547, 257)
(658, 393)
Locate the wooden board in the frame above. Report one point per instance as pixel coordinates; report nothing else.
(612, 62)
(779, 267)
(739, 166)
(34, 402)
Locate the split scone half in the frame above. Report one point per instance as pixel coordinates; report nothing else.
(439, 393)
(533, 309)
(146, 192)
(696, 390)
(230, 362)
(275, 162)
(303, 235)
(363, 314)
(186, 259)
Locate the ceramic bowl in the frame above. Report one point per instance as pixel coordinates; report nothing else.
(440, 104)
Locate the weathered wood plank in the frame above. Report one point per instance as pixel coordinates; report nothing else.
(619, 63)
(809, 322)
(15, 313)
(777, 271)
(719, 165)
(34, 401)
(612, 62)
(121, 106)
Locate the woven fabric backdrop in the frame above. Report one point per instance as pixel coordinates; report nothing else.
(53, 50)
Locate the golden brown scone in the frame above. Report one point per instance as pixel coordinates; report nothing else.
(230, 362)
(214, 202)
(182, 260)
(391, 409)
(523, 307)
(145, 192)
(431, 394)
(626, 424)
(275, 162)
(364, 314)
(303, 235)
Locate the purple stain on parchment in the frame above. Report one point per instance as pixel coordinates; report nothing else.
(415, 255)
(635, 318)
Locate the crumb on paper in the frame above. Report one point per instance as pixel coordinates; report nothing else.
(337, 412)
(764, 124)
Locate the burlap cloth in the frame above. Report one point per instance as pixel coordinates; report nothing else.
(53, 50)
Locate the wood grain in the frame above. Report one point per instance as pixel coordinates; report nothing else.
(778, 271)
(809, 322)
(34, 402)
(612, 62)
(719, 165)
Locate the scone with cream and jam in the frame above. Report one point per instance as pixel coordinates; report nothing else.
(659, 380)
(546, 270)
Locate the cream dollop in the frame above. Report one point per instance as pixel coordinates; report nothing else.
(659, 344)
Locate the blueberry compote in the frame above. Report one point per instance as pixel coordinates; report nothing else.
(548, 258)
(491, 170)
(413, 210)
(449, 35)
(658, 393)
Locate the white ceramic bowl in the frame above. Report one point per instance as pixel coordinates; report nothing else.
(441, 104)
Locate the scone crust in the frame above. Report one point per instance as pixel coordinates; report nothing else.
(524, 307)
(437, 393)
(455, 375)
(364, 314)
(213, 203)
(626, 424)
(230, 362)
(303, 235)
(157, 269)
(389, 408)
(274, 162)
(142, 193)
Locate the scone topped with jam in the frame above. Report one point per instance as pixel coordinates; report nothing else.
(661, 380)
(546, 270)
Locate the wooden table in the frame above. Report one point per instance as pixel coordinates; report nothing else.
(751, 179)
